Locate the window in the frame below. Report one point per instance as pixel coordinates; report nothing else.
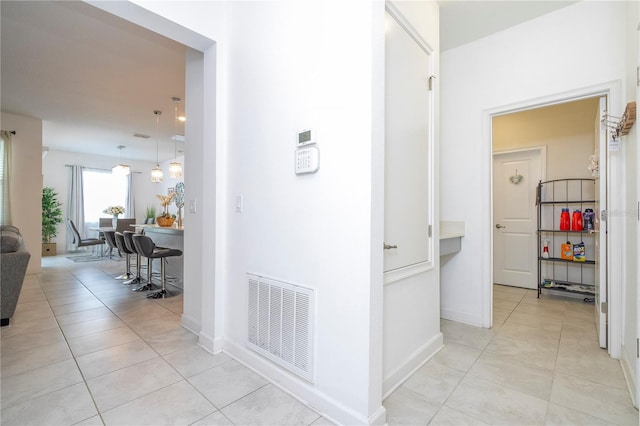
(102, 189)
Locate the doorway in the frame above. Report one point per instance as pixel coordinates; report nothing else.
(570, 133)
(515, 174)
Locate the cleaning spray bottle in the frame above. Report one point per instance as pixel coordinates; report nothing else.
(545, 249)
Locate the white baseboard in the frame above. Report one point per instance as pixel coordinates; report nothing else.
(207, 342)
(303, 391)
(630, 378)
(190, 324)
(411, 364)
(462, 317)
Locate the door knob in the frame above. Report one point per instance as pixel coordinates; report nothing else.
(500, 226)
(389, 247)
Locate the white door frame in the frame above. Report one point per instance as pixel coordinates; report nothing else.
(613, 91)
(542, 152)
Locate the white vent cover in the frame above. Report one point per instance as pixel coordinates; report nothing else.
(281, 323)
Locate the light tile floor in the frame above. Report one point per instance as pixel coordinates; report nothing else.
(539, 365)
(84, 349)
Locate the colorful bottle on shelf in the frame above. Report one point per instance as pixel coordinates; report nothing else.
(576, 221)
(565, 221)
(545, 250)
(587, 219)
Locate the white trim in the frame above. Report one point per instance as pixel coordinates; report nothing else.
(413, 362)
(612, 90)
(406, 25)
(405, 272)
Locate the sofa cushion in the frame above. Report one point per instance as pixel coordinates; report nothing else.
(9, 241)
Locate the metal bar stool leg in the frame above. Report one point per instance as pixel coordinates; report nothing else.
(149, 284)
(138, 277)
(162, 293)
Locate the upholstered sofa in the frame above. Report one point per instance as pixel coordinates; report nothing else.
(14, 258)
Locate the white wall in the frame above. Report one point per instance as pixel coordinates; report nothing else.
(281, 67)
(631, 156)
(566, 130)
(26, 182)
(546, 56)
(57, 175)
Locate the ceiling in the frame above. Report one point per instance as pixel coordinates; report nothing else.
(464, 21)
(95, 79)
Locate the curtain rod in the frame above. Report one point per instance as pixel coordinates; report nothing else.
(95, 168)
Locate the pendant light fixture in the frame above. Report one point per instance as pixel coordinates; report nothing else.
(157, 173)
(175, 168)
(121, 169)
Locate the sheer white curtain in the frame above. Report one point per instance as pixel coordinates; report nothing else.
(131, 206)
(5, 164)
(75, 209)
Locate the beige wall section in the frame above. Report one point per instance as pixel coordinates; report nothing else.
(565, 129)
(26, 182)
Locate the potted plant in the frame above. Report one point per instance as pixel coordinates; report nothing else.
(150, 214)
(51, 217)
(165, 219)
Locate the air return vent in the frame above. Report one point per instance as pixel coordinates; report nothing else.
(281, 323)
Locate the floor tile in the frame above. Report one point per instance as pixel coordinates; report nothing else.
(18, 327)
(604, 402)
(456, 356)
(534, 381)
(79, 329)
(464, 334)
(63, 407)
(434, 382)
(40, 381)
(450, 417)
(105, 339)
(215, 419)
(558, 415)
(77, 307)
(115, 358)
(533, 353)
(269, 406)
(19, 362)
(194, 360)
(405, 407)
(227, 383)
(591, 363)
(82, 316)
(496, 404)
(176, 404)
(172, 341)
(32, 340)
(124, 385)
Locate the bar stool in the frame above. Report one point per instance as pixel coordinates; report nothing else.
(128, 242)
(110, 239)
(123, 248)
(148, 249)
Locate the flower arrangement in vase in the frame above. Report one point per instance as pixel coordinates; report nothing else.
(114, 211)
(165, 219)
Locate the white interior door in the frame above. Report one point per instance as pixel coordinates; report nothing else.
(601, 229)
(515, 176)
(407, 150)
